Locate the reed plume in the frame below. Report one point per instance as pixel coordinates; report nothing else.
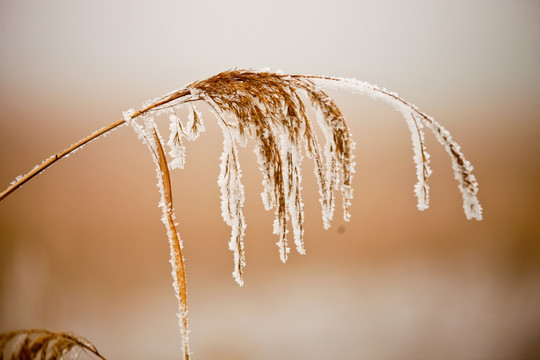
(271, 109)
(43, 345)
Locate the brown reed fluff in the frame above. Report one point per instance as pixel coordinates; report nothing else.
(270, 108)
(43, 345)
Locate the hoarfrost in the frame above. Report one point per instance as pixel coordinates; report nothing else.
(128, 115)
(17, 179)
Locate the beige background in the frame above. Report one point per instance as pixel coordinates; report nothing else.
(82, 247)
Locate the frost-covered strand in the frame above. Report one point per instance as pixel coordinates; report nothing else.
(462, 167)
(462, 170)
(149, 135)
(338, 148)
(232, 201)
(287, 124)
(313, 150)
(232, 192)
(421, 158)
(331, 174)
(266, 168)
(274, 179)
(299, 130)
(292, 187)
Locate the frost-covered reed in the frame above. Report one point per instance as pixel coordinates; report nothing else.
(270, 108)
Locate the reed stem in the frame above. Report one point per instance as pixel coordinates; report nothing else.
(17, 184)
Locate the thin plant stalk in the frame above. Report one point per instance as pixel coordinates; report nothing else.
(54, 158)
(45, 164)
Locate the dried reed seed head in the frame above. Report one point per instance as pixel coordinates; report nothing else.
(266, 104)
(43, 345)
(269, 107)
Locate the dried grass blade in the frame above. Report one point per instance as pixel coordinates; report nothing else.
(232, 201)
(177, 259)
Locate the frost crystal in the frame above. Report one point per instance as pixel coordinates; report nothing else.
(128, 115)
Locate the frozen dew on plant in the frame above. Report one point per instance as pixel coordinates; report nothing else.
(271, 109)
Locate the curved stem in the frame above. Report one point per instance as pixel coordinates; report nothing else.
(17, 184)
(38, 169)
(177, 258)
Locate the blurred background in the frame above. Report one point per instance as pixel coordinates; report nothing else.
(82, 247)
